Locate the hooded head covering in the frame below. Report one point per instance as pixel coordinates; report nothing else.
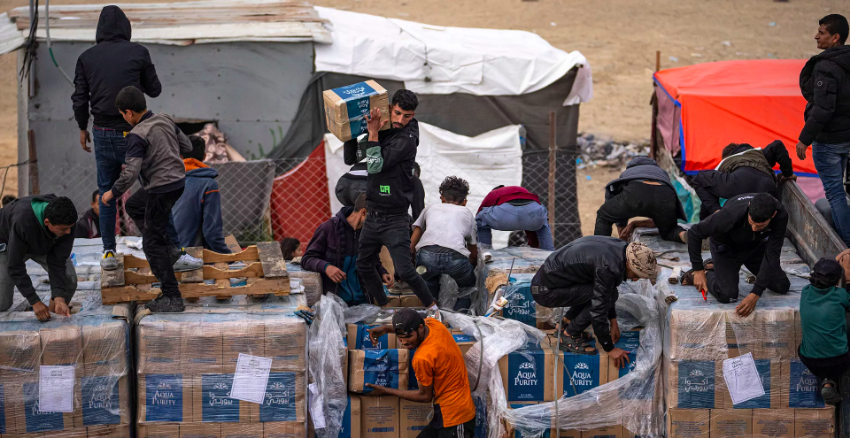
(112, 25)
(640, 258)
(826, 273)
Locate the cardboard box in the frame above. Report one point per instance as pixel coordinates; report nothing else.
(285, 398)
(202, 348)
(244, 336)
(285, 342)
(773, 423)
(413, 417)
(380, 417)
(696, 385)
(770, 372)
(159, 431)
(105, 400)
(346, 108)
(20, 349)
(527, 380)
(351, 419)
(688, 423)
(814, 423)
(799, 387)
(731, 423)
(521, 307)
(630, 342)
(105, 349)
(777, 339)
(63, 346)
(211, 401)
(587, 372)
(410, 301)
(29, 418)
(200, 430)
(357, 337)
(603, 432)
(11, 395)
(242, 430)
(380, 367)
(394, 301)
(160, 347)
(698, 334)
(465, 342)
(122, 431)
(165, 398)
(799, 334)
(284, 430)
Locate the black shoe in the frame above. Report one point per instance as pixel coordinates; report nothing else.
(166, 304)
(829, 393)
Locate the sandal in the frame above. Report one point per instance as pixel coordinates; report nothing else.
(577, 346)
(708, 265)
(829, 393)
(687, 278)
(559, 328)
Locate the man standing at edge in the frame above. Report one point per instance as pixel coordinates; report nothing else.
(390, 158)
(101, 72)
(824, 84)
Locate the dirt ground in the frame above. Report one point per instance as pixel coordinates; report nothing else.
(618, 37)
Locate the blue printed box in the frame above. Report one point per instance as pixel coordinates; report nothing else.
(211, 401)
(527, 375)
(357, 338)
(165, 398)
(800, 387)
(770, 373)
(696, 384)
(34, 419)
(284, 400)
(582, 373)
(378, 367)
(523, 308)
(346, 108)
(105, 400)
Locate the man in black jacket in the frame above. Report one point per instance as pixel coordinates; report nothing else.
(824, 83)
(390, 156)
(584, 275)
(748, 230)
(742, 169)
(40, 228)
(102, 71)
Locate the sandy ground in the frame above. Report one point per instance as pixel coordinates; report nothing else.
(619, 38)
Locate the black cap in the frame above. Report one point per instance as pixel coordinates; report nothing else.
(826, 273)
(406, 321)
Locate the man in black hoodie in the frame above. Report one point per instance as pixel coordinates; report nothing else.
(390, 156)
(40, 228)
(824, 83)
(102, 71)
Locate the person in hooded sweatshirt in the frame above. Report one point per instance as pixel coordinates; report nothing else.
(743, 169)
(102, 71)
(333, 253)
(197, 215)
(88, 227)
(824, 84)
(643, 189)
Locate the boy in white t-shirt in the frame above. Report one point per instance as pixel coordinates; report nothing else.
(444, 239)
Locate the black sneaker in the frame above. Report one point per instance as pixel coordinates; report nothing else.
(166, 304)
(829, 393)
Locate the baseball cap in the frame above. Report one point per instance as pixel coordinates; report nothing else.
(406, 321)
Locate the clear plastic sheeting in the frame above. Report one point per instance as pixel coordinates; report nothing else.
(326, 356)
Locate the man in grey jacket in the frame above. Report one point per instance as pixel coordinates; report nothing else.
(154, 146)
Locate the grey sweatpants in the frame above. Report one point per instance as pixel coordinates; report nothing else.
(7, 286)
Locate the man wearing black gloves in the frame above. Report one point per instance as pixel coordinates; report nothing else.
(102, 71)
(748, 231)
(40, 228)
(584, 275)
(743, 169)
(390, 156)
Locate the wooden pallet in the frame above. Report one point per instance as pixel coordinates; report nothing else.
(265, 270)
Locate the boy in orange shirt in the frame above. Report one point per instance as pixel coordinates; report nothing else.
(441, 374)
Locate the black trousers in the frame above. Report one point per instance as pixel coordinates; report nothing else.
(463, 430)
(394, 232)
(135, 208)
(711, 185)
(826, 368)
(723, 280)
(657, 202)
(576, 296)
(155, 240)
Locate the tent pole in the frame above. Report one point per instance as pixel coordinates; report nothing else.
(655, 108)
(551, 193)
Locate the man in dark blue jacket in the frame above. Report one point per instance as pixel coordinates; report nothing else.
(197, 215)
(333, 252)
(101, 72)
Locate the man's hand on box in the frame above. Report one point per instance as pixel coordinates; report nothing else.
(373, 123)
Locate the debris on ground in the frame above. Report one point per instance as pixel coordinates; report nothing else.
(597, 151)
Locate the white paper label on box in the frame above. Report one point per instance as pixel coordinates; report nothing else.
(317, 414)
(251, 377)
(56, 388)
(742, 379)
(295, 286)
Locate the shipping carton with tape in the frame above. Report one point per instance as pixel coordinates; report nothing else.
(413, 417)
(379, 367)
(346, 108)
(357, 338)
(380, 417)
(527, 375)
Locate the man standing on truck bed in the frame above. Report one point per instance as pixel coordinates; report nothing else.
(390, 156)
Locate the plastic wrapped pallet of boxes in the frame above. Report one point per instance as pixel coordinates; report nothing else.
(186, 364)
(89, 350)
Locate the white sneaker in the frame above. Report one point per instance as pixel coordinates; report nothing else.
(109, 262)
(187, 263)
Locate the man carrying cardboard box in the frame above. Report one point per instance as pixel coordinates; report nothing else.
(390, 156)
(441, 374)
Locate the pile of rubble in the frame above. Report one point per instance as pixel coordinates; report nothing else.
(604, 152)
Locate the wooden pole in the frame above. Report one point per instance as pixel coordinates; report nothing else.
(655, 109)
(33, 163)
(551, 192)
(658, 60)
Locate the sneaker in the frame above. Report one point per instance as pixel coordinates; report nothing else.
(165, 304)
(829, 393)
(175, 254)
(187, 263)
(109, 262)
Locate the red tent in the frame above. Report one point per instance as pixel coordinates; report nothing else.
(300, 199)
(704, 107)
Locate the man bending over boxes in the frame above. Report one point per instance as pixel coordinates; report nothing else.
(441, 374)
(584, 275)
(40, 228)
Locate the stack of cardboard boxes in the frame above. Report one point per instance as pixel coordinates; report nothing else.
(186, 365)
(699, 404)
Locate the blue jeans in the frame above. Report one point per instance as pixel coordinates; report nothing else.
(453, 264)
(508, 217)
(110, 148)
(830, 161)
